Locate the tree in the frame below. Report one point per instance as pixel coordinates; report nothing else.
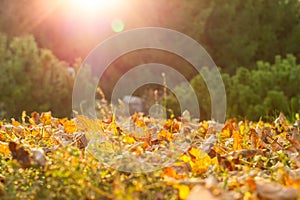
(33, 79)
(238, 33)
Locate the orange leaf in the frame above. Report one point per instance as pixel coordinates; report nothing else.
(140, 123)
(236, 140)
(69, 126)
(164, 134)
(170, 172)
(14, 122)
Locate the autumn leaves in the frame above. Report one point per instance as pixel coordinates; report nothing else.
(244, 159)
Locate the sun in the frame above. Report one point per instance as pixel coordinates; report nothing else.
(90, 6)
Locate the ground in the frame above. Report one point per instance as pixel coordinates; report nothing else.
(43, 157)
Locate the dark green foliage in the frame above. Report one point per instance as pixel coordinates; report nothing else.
(241, 32)
(262, 92)
(184, 97)
(32, 79)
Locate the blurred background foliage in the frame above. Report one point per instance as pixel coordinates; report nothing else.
(255, 43)
(33, 78)
(264, 91)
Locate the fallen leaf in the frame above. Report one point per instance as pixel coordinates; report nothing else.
(270, 190)
(69, 126)
(20, 154)
(237, 141)
(46, 118)
(4, 148)
(164, 134)
(200, 161)
(81, 140)
(183, 191)
(171, 172)
(91, 127)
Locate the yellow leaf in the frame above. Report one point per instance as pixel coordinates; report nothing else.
(185, 158)
(92, 127)
(205, 124)
(201, 162)
(194, 152)
(183, 191)
(46, 118)
(242, 128)
(214, 161)
(260, 124)
(35, 133)
(32, 122)
(164, 134)
(248, 195)
(234, 183)
(69, 126)
(201, 165)
(225, 133)
(23, 116)
(128, 139)
(4, 148)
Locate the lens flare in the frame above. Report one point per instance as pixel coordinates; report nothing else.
(117, 25)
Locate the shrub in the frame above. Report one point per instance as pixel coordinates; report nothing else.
(32, 79)
(261, 92)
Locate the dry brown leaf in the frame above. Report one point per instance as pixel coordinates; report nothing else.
(270, 190)
(27, 157)
(20, 154)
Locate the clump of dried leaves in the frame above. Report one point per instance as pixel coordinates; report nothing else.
(43, 157)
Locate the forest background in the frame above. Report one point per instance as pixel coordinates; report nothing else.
(255, 44)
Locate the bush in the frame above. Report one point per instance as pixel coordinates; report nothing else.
(266, 90)
(32, 79)
(262, 92)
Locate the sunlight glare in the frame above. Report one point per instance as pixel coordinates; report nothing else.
(91, 5)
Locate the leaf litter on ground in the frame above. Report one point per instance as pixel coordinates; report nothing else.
(43, 157)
